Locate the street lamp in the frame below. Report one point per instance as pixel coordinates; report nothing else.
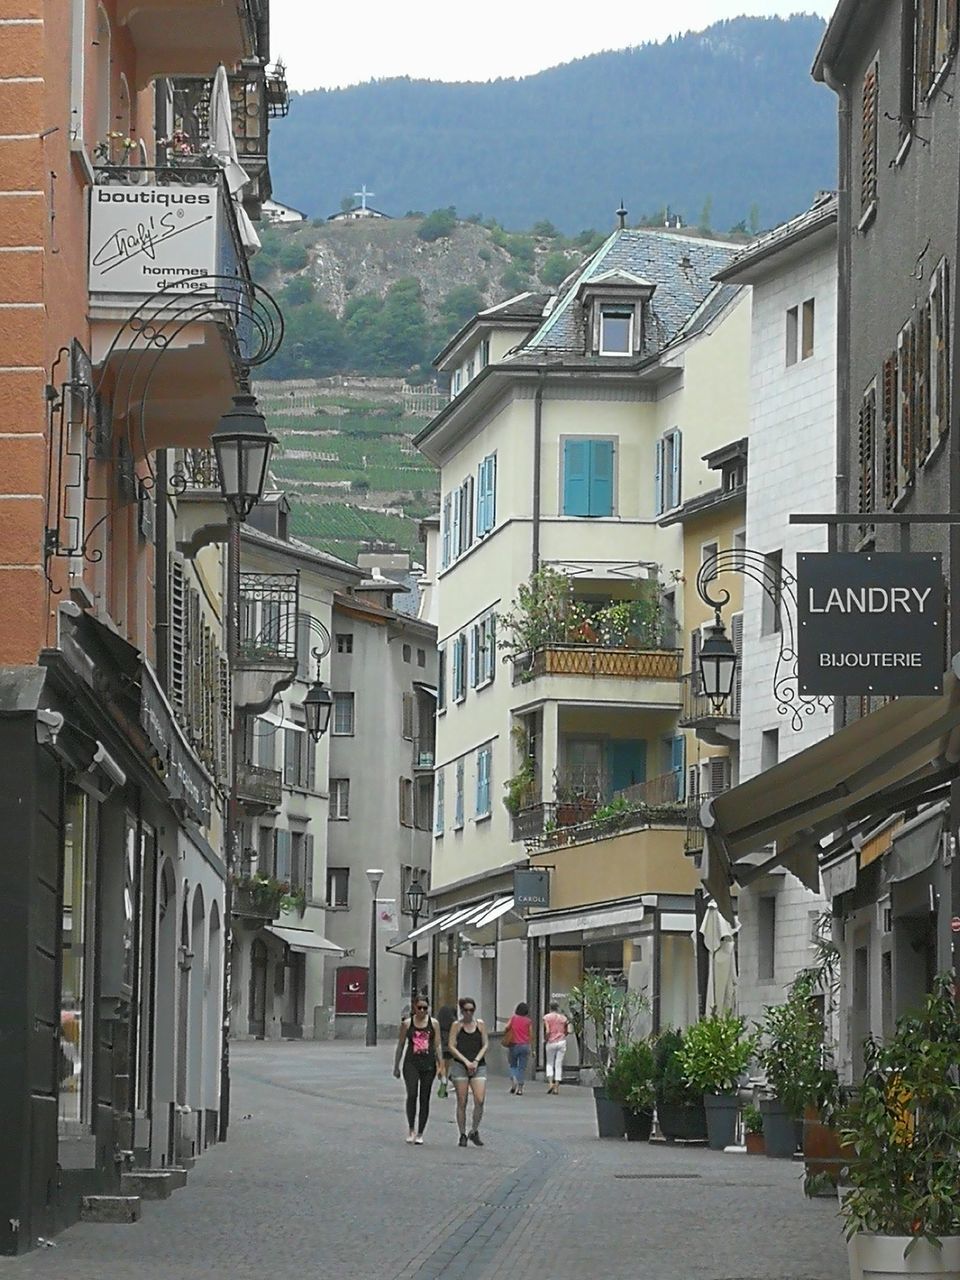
(718, 665)
(317, 705)
(374, 875)
(243, 446)
(415, 895)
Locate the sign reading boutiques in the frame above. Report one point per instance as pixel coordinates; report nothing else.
(870, 623)
(147, 238)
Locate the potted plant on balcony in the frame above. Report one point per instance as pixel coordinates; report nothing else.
(630, 1083)
(753, 1131)
(256, 895)
(573, 805)
(680, 1110)
(714, 1054)
(902, 1215)
(612, 1013)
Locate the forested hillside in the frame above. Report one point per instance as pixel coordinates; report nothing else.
(712, 122)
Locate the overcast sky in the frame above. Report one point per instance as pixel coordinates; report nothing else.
(326, 45)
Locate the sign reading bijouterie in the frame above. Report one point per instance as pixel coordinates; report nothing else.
(144, 239)
(870, 623)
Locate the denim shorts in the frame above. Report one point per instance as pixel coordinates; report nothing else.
(458, 1071)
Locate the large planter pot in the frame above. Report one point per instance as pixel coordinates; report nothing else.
(782, 1134)
(610, 1121)
(638, 1124)
(682, 1120)
(755, 1144)
(882, 1257)
(823, 1153)
(721, 1109)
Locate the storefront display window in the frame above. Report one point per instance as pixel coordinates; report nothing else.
(73, 1106)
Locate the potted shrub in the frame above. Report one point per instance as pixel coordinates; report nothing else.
(753, 1131)
(611, 1012)
(680, 1111)
(792, 1055)
(630, 1083)
(902, 1213)
(714, 1054)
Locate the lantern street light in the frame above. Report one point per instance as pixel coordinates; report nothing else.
(317, 705)
(243, 446)
(415, 896)
(374, 875)
(718, 664)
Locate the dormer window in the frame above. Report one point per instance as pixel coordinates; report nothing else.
(616, 330)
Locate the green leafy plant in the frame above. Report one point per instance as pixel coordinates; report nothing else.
(792, 1050)
(612, 1012)
(715, 1052)
(752, 1120)
(520, 790)
(542, 614)
(904, 1126)
(630, 1076)
(670, 1084)
(294, 900)
(263, 893)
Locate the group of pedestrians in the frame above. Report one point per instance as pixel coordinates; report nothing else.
(455, 1048)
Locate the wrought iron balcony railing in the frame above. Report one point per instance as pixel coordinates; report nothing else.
(698, 710)
(196, 470)
(259, 785)
(424, 754)
(597, 660)
(269, 603)
(693, 838)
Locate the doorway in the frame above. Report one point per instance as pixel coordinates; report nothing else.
(257, 1020)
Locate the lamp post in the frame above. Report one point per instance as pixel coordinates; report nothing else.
(243, 446)
(374, 875)
(317, 705)
(718, 664)
(415, 896)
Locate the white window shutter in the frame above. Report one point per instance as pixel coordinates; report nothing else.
(658, 503)
(675, 471)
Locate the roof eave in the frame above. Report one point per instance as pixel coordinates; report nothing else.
(832, 42)
(751, 267)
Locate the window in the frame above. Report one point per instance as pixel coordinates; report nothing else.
(484, 764)
(298, 860)
(446, 537)
(406, 653)
(866, 449)
(466, 516)
(806, 333)
(343, 715)
(77, 45)
(616, 331)
(304, 627)
(736, 639)
(869, 142)
(406, 716)
(76, 1043)
(423, 804)
(486, 495)
(441, 679)
(889, 470)
(345, 642)
(772, 587)
(484, 353)
(457, 381)
(769, 749)
(911, 21)
(906, 407)
(934, 42)
(406, 802)
(483, 648)
(939, 353)
(339, 799)
(460, 668)
(739, 549)
(438, 804)
(708, 555)
(667, 472)
(421, 657)
(791, 343)
(296, 759)
(338, 886)
(457, 523)
(283, 855)
(588, 467)
(766, 938)
(458, 798)
(471, 370)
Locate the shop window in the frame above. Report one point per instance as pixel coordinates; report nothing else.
(74, 1051)
(766, 938)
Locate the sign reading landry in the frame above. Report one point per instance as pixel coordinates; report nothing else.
(870, 623)
(147, 238)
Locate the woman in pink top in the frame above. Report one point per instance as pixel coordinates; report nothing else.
(556, 1028)
(519, 1027)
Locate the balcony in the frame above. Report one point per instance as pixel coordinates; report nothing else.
(259, 789)
(201, 512)
(173, 309)
(582, 816)
(693, 838)
(189, 37)
(596, 673)
(256, 96)
(266, 660)
(257, 897)
(424, 755)
(718, 728)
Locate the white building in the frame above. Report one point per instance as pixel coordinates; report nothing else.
(792, 436)
(278, 214)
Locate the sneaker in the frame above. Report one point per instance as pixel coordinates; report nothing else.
(409, 1137)
(475, 1139)
(463, 1140)
(418, 1140)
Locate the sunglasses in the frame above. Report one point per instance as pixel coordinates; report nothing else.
(469, 1008)
(421, 1008)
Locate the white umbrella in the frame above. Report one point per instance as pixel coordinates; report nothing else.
(223, 147)
(718, 937)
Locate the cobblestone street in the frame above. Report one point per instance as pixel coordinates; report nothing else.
(316, 1181)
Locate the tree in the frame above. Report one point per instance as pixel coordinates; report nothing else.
(545, 229)
(293, 256)
(460, 305)
(754, 219)
(298, 292)
(437, 225)
(555, 269)
(346, 204)
(514, 280)
(706, 214)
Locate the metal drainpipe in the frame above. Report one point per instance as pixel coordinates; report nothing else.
(953, 443)
(537, 443)
(231, 838)
(161, 627)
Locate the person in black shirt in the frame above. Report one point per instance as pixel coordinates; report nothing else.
(419, 1048)
(468, 1071)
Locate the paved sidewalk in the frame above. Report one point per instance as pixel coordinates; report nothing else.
(316, 1182)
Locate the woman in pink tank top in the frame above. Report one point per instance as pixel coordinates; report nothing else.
(556, 1028)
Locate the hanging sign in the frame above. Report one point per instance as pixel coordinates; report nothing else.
(147, 238)
(870, 623)
(531, 888)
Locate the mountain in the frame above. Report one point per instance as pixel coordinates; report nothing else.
(718, 122)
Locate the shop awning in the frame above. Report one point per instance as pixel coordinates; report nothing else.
(304, 940)
(916, 846)
(911, 742)
(476, 916)
(430, 689)
(605, 917)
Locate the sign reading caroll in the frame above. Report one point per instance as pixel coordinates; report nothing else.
(149, 238)
(870, 623)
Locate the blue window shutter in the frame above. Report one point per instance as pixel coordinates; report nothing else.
(474, 656)
(576, 477)
(675, 472)
(658, 503)
(601, 477)
(456, 670)
(491, 491)
(482, 499)
(678, 757)
(441, 678)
